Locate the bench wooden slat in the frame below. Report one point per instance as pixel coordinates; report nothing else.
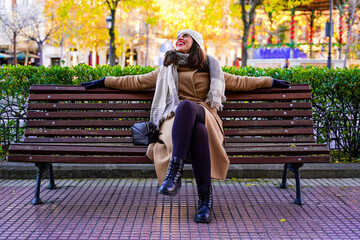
(89, 106)
(268, 105)
(128, 123)
(97, 114)
(148, 97)
(92, 97)
(298, 113)
(77, 149)
(78, 159)
(268, 97)
(237, 132)
(129, 140)
(269, 123)
(80, 123)
(140, 150)
(279, 159)
(269, 132)
(270, 139)
(140, 114)
(144, 159)
(147, 106)
(76, 132)
(78, 140)
(41, 89)
(279, 150)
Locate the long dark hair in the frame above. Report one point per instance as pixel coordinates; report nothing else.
(197, 58)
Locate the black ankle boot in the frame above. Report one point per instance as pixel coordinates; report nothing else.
(203, 213)
(172, 182)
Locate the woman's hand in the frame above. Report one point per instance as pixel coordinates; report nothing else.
(94, 84)
(280, 83)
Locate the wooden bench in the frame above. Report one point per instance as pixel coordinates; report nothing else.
(68, 124)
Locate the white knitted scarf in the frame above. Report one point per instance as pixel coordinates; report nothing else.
(166, 97)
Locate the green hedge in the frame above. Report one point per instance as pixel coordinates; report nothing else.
(336, 95)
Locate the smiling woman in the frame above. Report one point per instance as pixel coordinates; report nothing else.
(184, 43)
(189, 89)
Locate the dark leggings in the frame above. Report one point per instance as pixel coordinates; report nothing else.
(189, 135)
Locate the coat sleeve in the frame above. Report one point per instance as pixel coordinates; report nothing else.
(244, 83)
(133, 83)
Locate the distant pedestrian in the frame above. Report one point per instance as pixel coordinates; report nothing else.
(237, 62)
(286, 64)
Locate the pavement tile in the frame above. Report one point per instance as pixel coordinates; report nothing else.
(131, 209)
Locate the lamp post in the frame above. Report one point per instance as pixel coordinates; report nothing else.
(110, 26)
(330, 35)
(15, 55)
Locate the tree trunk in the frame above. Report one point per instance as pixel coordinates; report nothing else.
(131, 59)
(93, 57)
(41, 52)
(26, 56)
(349, 35)
(112, 38)
(247, 18)
(15, 55)
(244, 45)
(147, 45)
(61, 51)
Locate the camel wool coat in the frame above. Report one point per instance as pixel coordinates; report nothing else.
(193, 86)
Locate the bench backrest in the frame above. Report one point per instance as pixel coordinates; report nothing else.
(64, 114)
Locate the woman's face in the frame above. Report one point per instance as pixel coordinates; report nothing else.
(184, 43)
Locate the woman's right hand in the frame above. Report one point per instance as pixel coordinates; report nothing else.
(94, 84)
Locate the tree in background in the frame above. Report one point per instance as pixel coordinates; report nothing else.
(112, 5)
(64, 16)
(248, 12)
(211, 18)
(13, 24)
(40, 25)
(352, 16)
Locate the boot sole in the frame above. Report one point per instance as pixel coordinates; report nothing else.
(202, 220)
(170, 194)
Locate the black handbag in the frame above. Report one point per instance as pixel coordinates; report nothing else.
(144, 133)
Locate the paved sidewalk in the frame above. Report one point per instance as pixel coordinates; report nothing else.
(131, 209)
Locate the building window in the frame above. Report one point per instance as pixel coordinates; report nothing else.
(55, 61)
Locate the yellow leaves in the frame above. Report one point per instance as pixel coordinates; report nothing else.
(250, 184)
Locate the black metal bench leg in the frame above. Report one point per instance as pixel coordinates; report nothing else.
(284, 184)
(41, 168)
(294, 167)
(52, 184)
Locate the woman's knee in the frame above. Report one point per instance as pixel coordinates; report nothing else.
(186, 107)
(200, 132)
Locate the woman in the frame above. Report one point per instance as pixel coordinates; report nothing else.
(189, 89)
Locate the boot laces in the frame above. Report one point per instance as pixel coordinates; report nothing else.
(173, 170)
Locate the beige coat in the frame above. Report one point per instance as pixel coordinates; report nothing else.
(194, 86)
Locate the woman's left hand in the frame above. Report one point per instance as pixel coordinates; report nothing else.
(280, 83)
(94, 84)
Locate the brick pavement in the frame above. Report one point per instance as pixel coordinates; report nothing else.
(131, 209)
